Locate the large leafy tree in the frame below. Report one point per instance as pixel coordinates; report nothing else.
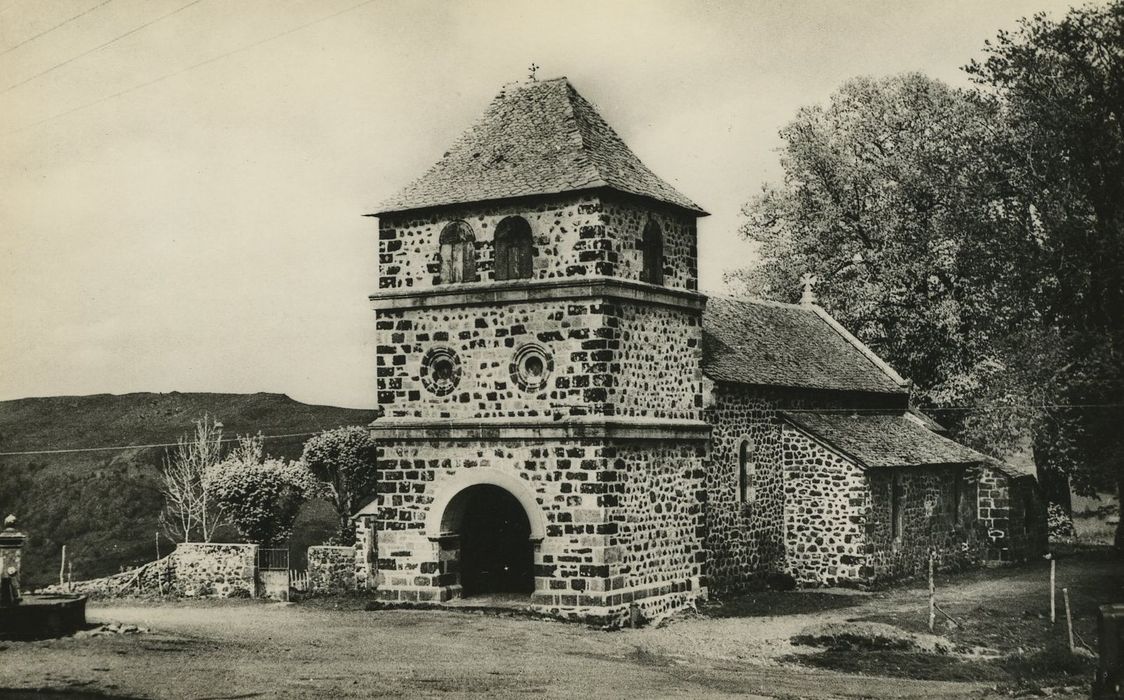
(1060, 85)
(974, 237)
(890, 199)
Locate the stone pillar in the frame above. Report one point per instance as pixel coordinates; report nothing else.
(11, 549)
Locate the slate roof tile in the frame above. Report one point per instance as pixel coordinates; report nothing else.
(771, 344)
(535, 138)
(884, 439)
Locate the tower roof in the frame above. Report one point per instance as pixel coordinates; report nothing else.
(535, 138)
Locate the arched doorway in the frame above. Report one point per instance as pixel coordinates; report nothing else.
(496, 551)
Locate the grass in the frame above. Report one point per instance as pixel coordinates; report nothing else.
(1007, 615)
(1044, 668)
(768, 603)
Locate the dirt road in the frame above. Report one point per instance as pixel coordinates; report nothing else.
(243, 650)
(247, 649)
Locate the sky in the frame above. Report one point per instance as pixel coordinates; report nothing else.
(183, 182)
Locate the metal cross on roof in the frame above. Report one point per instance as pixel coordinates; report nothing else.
(808, 280)
(533, 68)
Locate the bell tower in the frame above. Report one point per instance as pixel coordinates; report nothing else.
(539, 351)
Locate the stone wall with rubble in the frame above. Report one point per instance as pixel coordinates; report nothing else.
(933, 518)
(575, 235)
(746, 541)
(826, 500)
(194, 569)
(331, 569)
(603, 357)
(623, 521)
(1013, 514)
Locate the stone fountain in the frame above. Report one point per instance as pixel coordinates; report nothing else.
(32, 616)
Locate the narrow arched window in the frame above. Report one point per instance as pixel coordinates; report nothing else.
(514, 249)
(747, 492)
(458, 253)
(652, 249)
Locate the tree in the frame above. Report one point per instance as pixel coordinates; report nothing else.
(890, 199)
(344, 459)
(262, 496)
(188, 509)
(1062, 93)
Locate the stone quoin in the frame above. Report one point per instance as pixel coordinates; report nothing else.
(565, 416)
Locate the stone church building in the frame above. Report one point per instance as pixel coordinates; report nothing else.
(566, 417)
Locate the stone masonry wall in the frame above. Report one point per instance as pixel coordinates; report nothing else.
(331, 569)
(623, 521)
(221, 570)
(747, 541)
(656, 364)
(744, 540)
(575, 235)
(929, 522)
(656, 493)
(604, 358)
(827, 498)
(366, 555)
(1013, 516)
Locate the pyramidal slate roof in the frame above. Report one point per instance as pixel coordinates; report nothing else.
(535, 138)
(773, 344)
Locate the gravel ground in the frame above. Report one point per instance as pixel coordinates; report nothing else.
(247, 649)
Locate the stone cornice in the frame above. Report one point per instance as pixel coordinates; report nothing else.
(539, 428)
(514, 291)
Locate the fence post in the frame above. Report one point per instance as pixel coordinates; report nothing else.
(932, 593)
(1053, 595)
(1068, 618)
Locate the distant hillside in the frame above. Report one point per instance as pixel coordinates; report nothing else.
(104, 504)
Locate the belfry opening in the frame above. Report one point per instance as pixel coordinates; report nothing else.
(493, 537)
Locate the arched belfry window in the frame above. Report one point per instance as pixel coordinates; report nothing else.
(747, 491)
(458, 253)
(652, 249)
(514, 249)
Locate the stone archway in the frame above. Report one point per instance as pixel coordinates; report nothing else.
(490, 524)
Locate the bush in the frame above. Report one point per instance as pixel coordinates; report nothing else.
(1060, 524)
(261, 496)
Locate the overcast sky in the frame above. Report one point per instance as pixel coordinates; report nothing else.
(183, 181)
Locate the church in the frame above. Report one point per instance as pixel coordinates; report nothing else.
(566, 417)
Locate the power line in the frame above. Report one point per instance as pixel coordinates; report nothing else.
(189, 68)
(101, 46)
(57, 26)
(967, 407)
(137, 447)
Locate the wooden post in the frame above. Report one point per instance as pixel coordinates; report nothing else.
(932, 594)
(62, 567)
(158, 545)
(70, 577)
(1053, 594)
(1068, 618)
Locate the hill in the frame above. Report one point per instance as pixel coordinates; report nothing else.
(104, 504)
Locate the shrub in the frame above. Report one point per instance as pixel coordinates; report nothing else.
(260, 496)
(1060, 524)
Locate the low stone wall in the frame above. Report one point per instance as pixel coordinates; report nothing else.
(193, 569)
(220, 570)
(331, 569)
